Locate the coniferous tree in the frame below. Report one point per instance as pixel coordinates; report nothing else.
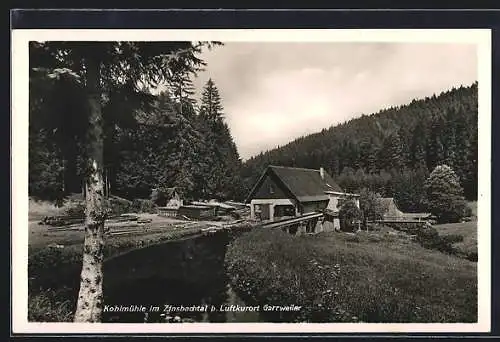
(449, 140)
(372, 158)
(471, 169)
(394, 152)
(418, 146)
(435, 148)
(222, 161)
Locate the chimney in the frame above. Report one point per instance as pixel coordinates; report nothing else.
(322, 173)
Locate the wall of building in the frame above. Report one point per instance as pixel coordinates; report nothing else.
(272, 202)
(270, 189)
(336, 200)
(333, 203)
(310, 207)
(174, 202)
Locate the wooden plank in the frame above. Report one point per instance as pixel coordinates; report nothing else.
(295, 220)
(398, 221)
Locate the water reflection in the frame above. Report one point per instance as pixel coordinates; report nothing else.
(160, 299)
(189, 276)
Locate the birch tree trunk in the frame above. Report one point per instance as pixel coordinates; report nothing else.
(90, 297)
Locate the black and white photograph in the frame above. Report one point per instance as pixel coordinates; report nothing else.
(234, 180)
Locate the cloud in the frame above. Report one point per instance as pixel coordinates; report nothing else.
(276, 92)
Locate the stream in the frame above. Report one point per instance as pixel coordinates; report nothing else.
(186, 279)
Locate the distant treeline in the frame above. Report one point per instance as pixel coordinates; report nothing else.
(393, 151)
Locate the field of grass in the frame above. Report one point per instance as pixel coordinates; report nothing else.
(341, 277)
(39, 209)
(467, 229)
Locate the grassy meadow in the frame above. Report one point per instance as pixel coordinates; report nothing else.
(342, 277)
(466, 229)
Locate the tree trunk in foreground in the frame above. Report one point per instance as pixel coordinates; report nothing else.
(90, 297)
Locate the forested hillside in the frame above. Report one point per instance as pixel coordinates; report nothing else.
(151, 141)
(392, 151)
(166, 140)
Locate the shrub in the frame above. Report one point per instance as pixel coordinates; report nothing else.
(143, 206)
(116, 206)
(352, 238)
(408, 227)
(373, 227)
(48, 306)
(472, 256)
(429, 237)
(371, 206)
(374, 238)
(161, 195)
(452, 238)
(468, 211)
(76, 210)
(49, 267)
(349, 215)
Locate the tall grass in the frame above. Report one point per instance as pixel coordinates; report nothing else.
(38, 209)
(468, 246)
(50, 306)
(338, 278)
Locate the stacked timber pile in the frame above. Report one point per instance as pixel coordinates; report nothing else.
(63, 221)
(59, 221)
(242, 210)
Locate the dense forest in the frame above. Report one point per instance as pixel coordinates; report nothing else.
(393, 151)
(150, 141)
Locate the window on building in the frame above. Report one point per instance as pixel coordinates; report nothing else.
(271, 189)
(284, 210)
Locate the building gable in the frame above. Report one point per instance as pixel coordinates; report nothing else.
(306, 184)
(303, 185)
(270, 188)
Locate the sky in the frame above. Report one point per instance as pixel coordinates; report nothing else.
(273, 93)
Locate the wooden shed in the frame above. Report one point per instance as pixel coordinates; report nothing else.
(173, 203)
(197, 212)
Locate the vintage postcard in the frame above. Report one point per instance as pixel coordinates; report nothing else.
(251, 181)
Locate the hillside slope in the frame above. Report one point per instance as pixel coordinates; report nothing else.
(373, 277)
(420, 135)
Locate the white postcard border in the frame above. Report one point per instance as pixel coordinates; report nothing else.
(19, 181)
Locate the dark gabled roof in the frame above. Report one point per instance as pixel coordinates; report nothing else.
(170, 192)
(305, 185)
(389, 207)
